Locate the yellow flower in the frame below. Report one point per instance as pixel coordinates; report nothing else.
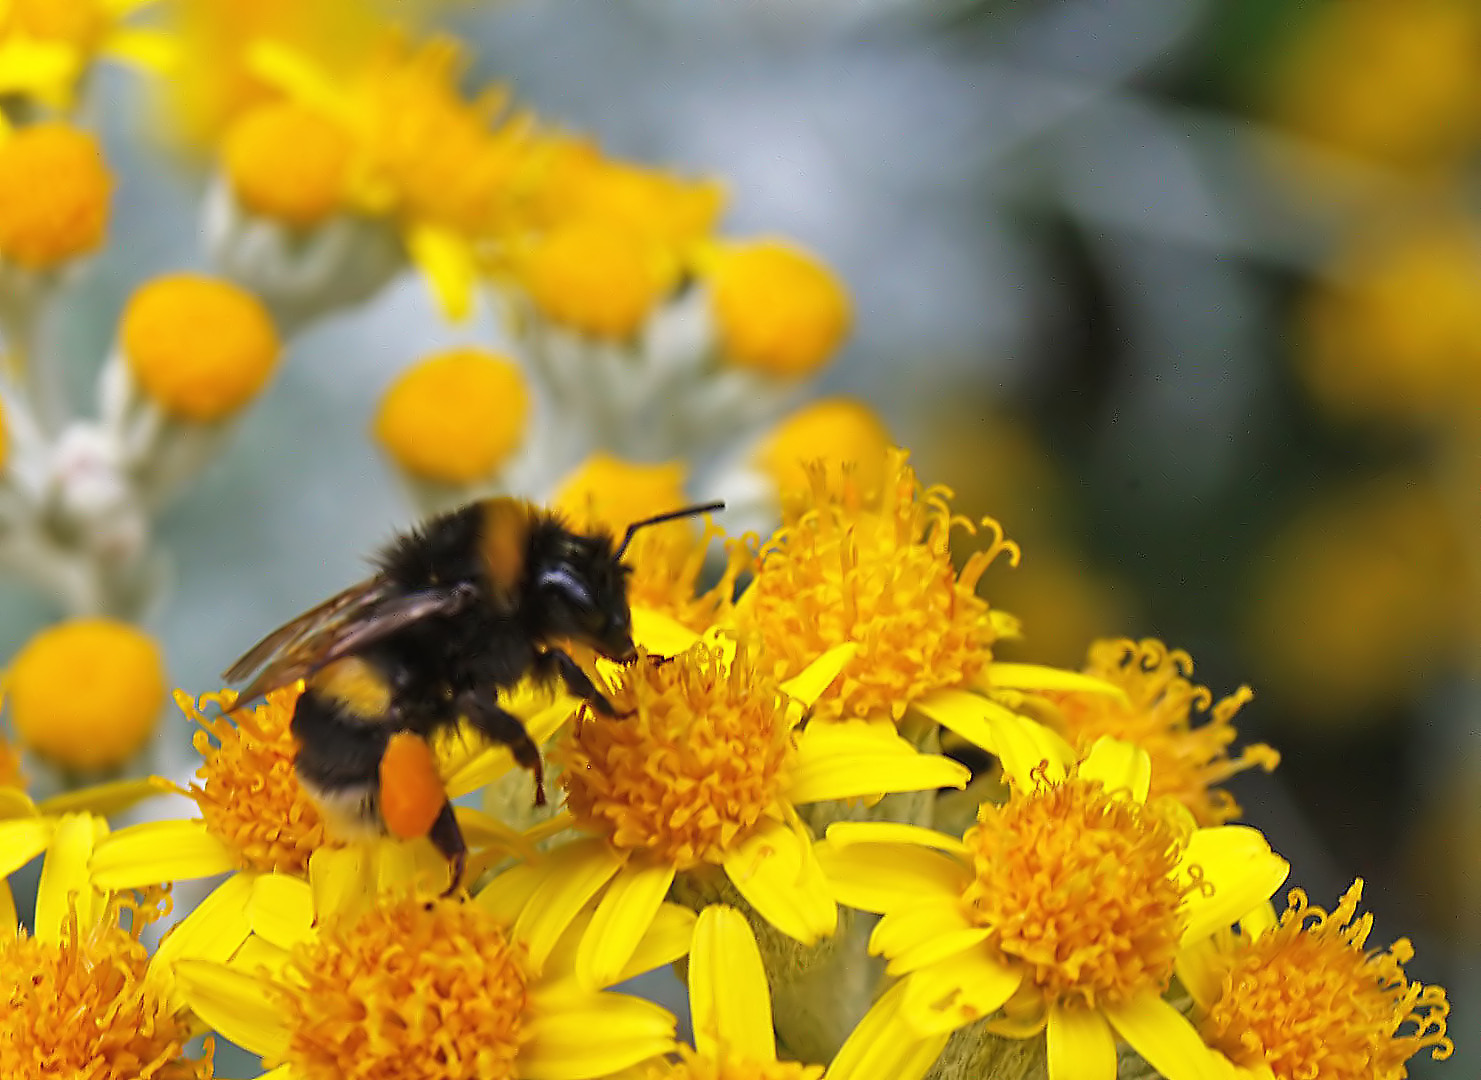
(839, 433)
(83, 997)
(1156, 715)
(700, 775)
(4, 439)
(594, 277)
(54, 192)
(1302, 996)
(1066, 907)
(256, 818)
(455, 417)
(287, 162)
(341, 982)
(777, 310)
(1394, 335)
(86, 693)
(730, 1003)
(46, 45)
(200, 347)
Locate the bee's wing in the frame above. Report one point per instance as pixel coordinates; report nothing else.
(347, 622)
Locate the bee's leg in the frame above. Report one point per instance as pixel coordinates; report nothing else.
(447, 838)
(555, 662)
(496, 725)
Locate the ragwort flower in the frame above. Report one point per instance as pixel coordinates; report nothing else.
(47, 45)
(1302, 996)
(699, 777)
(1066, 908)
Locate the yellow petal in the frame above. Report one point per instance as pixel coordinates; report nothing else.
(15, 803)
(847, 760)
(943, 996)
(843, 833)
(1260, 919)
(484, 764)
(660, 633)
(65, 881)
(776, 871)
(1020, 743)
(1200, 971)
(959, 711)
(281, 910)
(668, 938)
(483, 830)
(921, 934)
(1080, 1043)
(158, 851)
(446, 260)
(569, 877)
(884, 1046)
(1240, 872)
(106, 799)
(236, 1005)
(21, 840)
(1165, 1038)
(10, 920)
(507, 895)
(214, 931)
(156, 51)
(1121, 767)
(1039, 677)
(300, 79)
(808, 684)
(623, 916)
(882, 877)
(728, 993)
(574, 1035)
(343, 880)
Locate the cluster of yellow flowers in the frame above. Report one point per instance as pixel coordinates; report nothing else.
(769, 807)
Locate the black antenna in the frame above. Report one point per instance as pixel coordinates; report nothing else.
(659, 519)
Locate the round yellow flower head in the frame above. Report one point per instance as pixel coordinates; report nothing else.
(777, 310)
(287, 162)
(53, 195)
(838, 433)
(455, 417)
(200, 347)
(86, 693)
(607, 492)
(594, 277)
(79, 23)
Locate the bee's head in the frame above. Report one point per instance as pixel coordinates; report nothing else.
(580, 592)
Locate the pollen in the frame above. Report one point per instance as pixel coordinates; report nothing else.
(248, 794)
(837, 432)
(873, 567)
(777, 310)
(54, 192)
(1079, 885)
(199, 346)
(1306, 998)
(455, 417)
(1187, 762)
(410, 990)
(596, 278)
(694, 1066)
(86, 693)
(287, 162)
(79, 1007)
(700, 756)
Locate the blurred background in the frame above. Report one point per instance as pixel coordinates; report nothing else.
(1186, 293)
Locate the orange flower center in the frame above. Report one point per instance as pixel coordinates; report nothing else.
(410, 990)
(1079, 885)
(54, 192)
(1187, 762)
(694, 1066)
(79, 1007)
(698, 759)
(873, 568)
(249, 795)
(1306, 999)
(287, 162)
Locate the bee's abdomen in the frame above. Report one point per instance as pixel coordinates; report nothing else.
(337, 749)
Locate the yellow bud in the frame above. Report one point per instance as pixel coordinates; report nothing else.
(594, 277)
(776, 309)
(836, 432)
(287, 162)
(607, 491)
(53, 195)
(455, 417)
(200, 347)
(86, 693)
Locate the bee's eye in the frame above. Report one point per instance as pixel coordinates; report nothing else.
(562, 580)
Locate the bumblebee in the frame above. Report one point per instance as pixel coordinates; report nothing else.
(462, 607)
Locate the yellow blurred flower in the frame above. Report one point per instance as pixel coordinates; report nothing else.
(777, 310)
(1304, 995)
(287, 162)
(836, 432)
(86, 693)
(54, 191)
(593, 276)
(199, 346)
(47, 45)
(455, 417)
